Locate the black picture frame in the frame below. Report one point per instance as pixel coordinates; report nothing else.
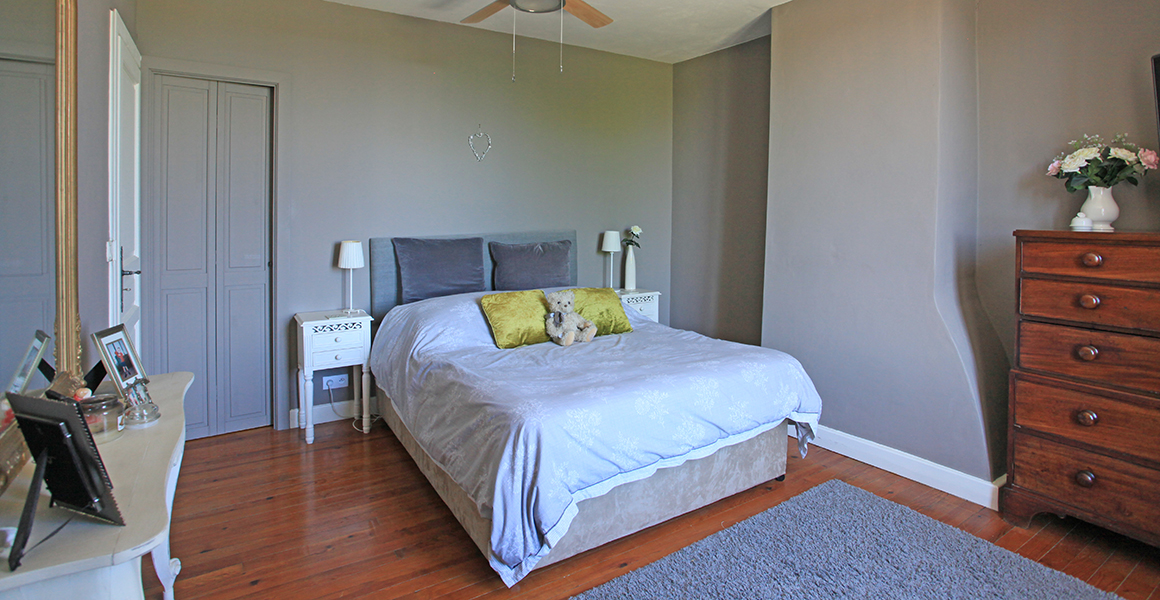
(67, 461)
(1156, 84)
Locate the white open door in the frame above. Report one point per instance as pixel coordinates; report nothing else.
(124, 248)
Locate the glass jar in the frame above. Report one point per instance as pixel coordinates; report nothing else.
(104, 415)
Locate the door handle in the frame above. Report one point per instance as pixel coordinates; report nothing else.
(125, 273)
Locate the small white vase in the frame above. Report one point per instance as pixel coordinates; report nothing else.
(1101, 208)
(629, 269)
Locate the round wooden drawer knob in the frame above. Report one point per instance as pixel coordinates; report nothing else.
(1085, 478)
(1091, 259)
(1088, 301)
(1087, 418)
(1088, 353)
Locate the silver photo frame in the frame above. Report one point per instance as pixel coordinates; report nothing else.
(120, 358)
(28, 365)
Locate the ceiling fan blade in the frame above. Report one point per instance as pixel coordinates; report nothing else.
(486, 12)
(583, 11)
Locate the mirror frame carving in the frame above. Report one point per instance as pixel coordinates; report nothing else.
(68, 319)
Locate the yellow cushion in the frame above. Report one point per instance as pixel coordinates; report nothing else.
(516, 318)
(602, 307)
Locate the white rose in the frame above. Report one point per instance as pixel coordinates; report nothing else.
(635, 229)
(1079, 159)
(1125, 155)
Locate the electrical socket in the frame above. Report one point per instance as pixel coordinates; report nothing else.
(335, 381)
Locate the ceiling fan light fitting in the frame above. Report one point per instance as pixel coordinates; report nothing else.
(537, 6)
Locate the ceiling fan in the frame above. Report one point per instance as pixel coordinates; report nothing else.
(579, 8)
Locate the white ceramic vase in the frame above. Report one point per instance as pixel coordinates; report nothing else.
(1101, 208)
(629, 268)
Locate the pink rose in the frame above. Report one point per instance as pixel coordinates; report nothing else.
(1053, 169)
(1149, 159)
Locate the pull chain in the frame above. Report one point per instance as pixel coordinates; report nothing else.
(514, 12)
(561, 40)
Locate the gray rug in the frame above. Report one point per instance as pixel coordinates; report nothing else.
(838, 541)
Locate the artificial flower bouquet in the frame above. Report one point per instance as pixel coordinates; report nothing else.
(633, 235)
(1092, 163)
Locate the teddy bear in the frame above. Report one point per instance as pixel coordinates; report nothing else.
(565, 326)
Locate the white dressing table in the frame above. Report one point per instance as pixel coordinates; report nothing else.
(92, 560)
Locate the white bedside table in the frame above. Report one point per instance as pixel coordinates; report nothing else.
(647, 302)
(329, 339)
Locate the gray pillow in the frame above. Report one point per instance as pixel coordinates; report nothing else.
(531, 266)
(429, 268)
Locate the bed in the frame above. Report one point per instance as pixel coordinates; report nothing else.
(542, 452)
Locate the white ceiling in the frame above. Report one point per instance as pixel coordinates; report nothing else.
(668, 31)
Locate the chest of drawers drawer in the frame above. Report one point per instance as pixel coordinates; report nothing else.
(1093, 259)
(1121, 423)
(1091, 482)
(1097, 304)
(1100, 356)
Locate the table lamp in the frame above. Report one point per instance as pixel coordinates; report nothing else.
(350, 257)
(610, 245)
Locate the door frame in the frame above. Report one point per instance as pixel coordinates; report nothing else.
(121, 43)
(280, 316)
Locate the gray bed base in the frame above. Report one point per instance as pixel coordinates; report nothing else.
(627, 508)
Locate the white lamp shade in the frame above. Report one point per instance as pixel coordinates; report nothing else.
(350, 255)
(611, 241)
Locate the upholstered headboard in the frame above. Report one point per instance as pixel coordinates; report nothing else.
(385, 281)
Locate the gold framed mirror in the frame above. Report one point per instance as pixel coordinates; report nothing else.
(68, 317)
(60, 55)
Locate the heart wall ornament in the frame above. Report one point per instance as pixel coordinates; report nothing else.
(479, 136)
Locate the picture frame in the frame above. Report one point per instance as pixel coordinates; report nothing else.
(120, 359)
(29, 363)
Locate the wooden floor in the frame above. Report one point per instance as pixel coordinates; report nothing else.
(259, 514)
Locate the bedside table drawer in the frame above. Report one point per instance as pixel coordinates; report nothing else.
(1112, 305)
(1092, 482)
(1100, 356)
(337, 357)
(1092, 418)
(336, 339)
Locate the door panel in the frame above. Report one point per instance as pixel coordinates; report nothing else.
(245, 375)
(183, 345)
(188, 176)
(27, 266)
(243, 275)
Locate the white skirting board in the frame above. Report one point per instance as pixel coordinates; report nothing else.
(956, 483)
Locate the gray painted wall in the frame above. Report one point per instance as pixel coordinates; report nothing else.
(720, 182)
(1047, 77)
(375, 140)
(870, 223)
(891, 275)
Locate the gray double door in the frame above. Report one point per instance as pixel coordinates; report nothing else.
(207, 265)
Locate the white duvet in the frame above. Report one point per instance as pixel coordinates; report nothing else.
(529, 432)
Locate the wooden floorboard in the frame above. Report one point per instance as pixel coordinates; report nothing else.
(259, 514)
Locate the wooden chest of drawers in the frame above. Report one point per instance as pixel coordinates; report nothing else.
(1084, 425)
